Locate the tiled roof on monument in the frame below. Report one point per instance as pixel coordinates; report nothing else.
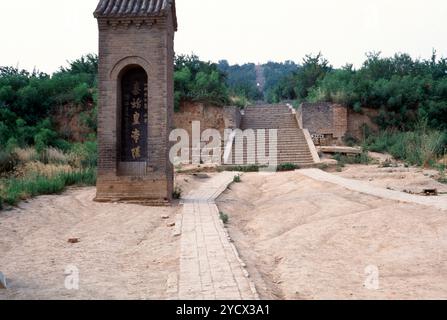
(133, 8)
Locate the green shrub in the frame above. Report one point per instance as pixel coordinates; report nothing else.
(224, 217)
(248, 168)
(350, 140)
(240, 101)
(177, 193)
(196, 80)
(83, 177)
(82, 93)
(343, 160)
(420, 147)
(24, 188)
(323, 166)
(237, 179)
(287, 167)
(84, 155)
(442, 174)
(403, 88)
(17, 189)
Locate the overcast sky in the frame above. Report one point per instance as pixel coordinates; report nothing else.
(46, 33)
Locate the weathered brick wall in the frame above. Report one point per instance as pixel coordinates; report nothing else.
(340, 122)
(337, 120)
(325, 119)
(232, 117)
(318, 118)
(357, 121)
(150, 46)
(209, 116)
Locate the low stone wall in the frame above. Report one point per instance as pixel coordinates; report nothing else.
(357, 122)
(340, 114)
(326, 122)
(209, 116)
(330, 123)
(318, 118)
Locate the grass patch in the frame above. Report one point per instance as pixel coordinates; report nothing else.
(287, 167)
(17, 189)
(84, 177)
(442, 175)
(323, 166)
(29, 172)
(257, 168)
(343, 160)
(420, 147)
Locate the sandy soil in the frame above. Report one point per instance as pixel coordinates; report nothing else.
(300, 238)
(304, 239)
(411, 180)
(125, 251)
(188, 182)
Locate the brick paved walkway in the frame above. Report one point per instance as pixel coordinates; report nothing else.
(364, 187)
(210, 267)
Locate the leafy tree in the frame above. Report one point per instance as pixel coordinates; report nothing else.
(241, 79)
(405, 90)
(196, 80)
(27, 100)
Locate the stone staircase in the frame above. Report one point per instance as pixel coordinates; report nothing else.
(291, 142)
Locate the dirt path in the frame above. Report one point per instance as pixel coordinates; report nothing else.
(439, 202)
(308, 239)
(410, 180)
(125, 251)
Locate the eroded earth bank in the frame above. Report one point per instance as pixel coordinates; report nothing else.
(304, 239)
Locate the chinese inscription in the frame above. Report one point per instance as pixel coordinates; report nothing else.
(135, 116)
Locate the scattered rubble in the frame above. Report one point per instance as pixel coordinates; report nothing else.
(430, 192)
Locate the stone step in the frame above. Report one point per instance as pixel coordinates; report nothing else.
(291, 143)
(283, 154)
(281, 158)
(289, 154)
(267, 148)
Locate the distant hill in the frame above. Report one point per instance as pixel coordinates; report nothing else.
(256, 81)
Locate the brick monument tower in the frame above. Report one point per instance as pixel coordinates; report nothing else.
(136, 104)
